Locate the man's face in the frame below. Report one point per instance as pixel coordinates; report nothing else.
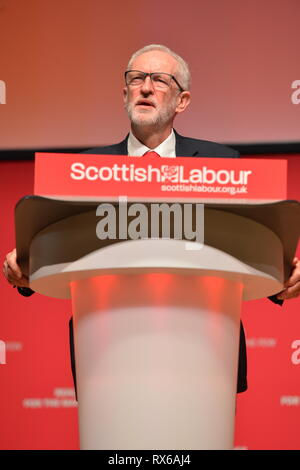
(147, 106)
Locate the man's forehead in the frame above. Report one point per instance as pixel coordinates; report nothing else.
(155, 61)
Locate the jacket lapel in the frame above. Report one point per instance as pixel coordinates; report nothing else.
(121, 148)
(185, 147)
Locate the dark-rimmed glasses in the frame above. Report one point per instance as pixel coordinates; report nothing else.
(160, 80)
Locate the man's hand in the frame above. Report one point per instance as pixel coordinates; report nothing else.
(12, 271)
(292, 285)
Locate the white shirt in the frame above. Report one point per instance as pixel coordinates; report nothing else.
(166, 149)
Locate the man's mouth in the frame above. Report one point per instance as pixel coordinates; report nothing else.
(145, 103)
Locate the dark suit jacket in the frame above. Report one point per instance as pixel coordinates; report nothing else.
(185, 147)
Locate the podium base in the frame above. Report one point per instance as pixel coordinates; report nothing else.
(156, 361)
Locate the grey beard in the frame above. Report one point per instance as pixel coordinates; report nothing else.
(160, 119)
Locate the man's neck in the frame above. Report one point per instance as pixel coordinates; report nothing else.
(151, 137)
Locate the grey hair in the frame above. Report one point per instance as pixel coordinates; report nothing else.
(184, 75)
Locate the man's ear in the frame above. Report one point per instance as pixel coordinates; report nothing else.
(183, 102)
(125, 94)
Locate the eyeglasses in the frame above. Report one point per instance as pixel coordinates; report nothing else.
(160, 80)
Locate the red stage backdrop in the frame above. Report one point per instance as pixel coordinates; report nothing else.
(37, 406)
(63, 61)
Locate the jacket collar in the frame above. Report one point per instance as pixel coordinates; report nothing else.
(185, 147)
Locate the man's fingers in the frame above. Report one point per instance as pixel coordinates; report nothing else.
(295, 276)
(23, 282)
(11, 260)
(11, 275)
(12, 271)
(290, 292)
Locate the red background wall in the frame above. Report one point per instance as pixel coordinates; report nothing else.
(63, 63)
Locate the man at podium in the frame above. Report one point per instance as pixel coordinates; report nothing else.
(157, 84)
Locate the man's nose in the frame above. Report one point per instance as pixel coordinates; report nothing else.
(147, 86)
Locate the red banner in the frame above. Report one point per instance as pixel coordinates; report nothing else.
(109, 176)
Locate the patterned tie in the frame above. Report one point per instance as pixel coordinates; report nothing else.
(151, 154)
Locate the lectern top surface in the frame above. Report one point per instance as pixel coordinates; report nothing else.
(34, 213)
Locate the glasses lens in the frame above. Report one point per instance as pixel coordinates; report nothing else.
(134, 78)
(161, 80)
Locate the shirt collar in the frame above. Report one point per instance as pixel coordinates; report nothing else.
(165, 149)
